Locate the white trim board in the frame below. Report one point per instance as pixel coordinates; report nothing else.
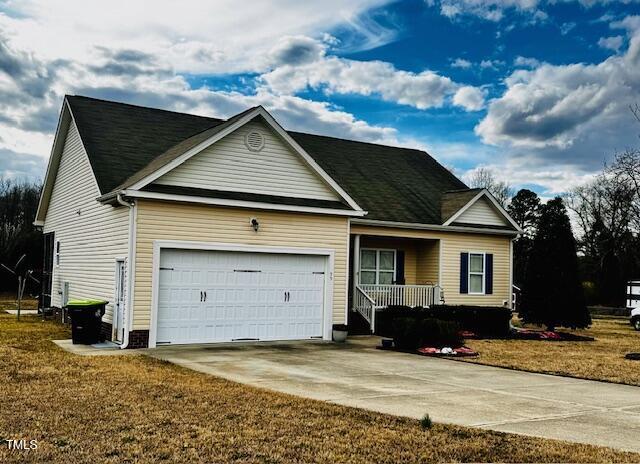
(432, 227)
(158, 245)
(258, 111)
(486, 194)
(240, 203)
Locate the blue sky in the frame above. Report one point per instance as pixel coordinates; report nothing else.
(535, 91)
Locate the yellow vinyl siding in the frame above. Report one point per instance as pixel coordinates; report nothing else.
(427, 263)
(91, 235)
(452, 244)
(187, 222)
(229, 165)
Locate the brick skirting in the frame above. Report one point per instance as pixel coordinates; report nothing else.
(138, 339)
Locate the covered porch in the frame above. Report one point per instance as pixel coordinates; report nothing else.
(388, 271)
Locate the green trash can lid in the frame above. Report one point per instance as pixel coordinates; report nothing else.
(85, 303)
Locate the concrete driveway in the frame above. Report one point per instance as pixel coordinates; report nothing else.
(356, 374)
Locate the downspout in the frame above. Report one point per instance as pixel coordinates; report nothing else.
(130, 268)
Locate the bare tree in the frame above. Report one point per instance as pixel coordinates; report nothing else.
(484, 178)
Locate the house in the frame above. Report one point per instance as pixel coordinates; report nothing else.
(200, 230)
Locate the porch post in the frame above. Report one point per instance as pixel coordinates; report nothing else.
(356, 266)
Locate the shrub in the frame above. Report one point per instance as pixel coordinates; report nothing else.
(491, 321)
(411, 333)
(426, 422)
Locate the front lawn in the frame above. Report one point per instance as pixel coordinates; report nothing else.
(136, 409)
(602, 359)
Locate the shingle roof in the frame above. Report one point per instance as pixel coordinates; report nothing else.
(393, 184)
(121, 139)
(454, 200)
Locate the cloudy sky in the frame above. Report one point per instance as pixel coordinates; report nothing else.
(536, 90)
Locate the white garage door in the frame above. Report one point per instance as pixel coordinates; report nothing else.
(221, 296)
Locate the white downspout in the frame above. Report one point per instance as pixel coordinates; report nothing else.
(130, 268)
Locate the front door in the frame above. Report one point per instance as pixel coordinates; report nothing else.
(119, 307)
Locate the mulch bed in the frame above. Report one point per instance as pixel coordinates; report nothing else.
(459, 352)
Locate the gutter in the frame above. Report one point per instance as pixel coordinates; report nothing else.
(127, 323)
(434, 227)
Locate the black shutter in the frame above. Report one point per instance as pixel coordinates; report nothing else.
(400, 267)
(464, 272)
(488, 274)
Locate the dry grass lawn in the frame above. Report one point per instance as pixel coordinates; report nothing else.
(135, 409)
(602, 359)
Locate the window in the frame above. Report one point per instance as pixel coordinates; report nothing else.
(377, 266)
(58, 253)
(476, 273)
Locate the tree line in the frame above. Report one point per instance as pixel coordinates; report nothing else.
(559, 273)
(18, 236)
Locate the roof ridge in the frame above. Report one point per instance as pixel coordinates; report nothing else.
(469, 189)
(182, 113)
(395, 147)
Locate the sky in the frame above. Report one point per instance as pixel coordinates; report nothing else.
(536, 91)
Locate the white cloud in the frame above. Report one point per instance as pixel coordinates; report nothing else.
(558, 106)
(470, 98)
(195, 36)
(332, 74)
(495, 10)
(491, 10)
(526, 62)
(612, 43)
(461, 63)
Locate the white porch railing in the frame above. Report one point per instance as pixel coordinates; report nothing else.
(368, 298)
(366, 306)
(406, 295)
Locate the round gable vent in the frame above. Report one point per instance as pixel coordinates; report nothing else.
(254, 140)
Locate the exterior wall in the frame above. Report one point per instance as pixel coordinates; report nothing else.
(91, 235)
(482, 212)
(189, 222)
(229, 165)
(451, 245)
(428, 263)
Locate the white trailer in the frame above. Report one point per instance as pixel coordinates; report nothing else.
(633, 302)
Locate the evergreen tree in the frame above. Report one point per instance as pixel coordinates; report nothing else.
(552, 293)
(524, 209)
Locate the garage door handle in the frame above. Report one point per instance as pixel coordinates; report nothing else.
(205, 296)
(201, 297)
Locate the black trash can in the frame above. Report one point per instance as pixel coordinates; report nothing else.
(86, 320)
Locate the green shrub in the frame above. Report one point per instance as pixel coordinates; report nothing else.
(411, 333)
(487, 321)
(426, 422)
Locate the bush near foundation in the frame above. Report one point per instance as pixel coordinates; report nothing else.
(411, 333)
(485, 321)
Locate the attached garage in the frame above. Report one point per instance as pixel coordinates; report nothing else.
(225, 295)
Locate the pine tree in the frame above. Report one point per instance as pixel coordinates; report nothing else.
(552, 293)
(524, 209)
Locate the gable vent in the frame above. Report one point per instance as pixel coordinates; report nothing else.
(254, 140)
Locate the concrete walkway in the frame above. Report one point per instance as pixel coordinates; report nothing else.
(356, 374)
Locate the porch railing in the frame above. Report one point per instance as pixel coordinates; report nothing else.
(406, 295)
(366, 306)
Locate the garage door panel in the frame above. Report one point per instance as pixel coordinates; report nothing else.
(248, 296)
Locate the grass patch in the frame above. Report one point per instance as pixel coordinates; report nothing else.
(602, 359)
(136, 409)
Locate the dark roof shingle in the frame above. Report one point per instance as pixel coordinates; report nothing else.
(391, 183)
